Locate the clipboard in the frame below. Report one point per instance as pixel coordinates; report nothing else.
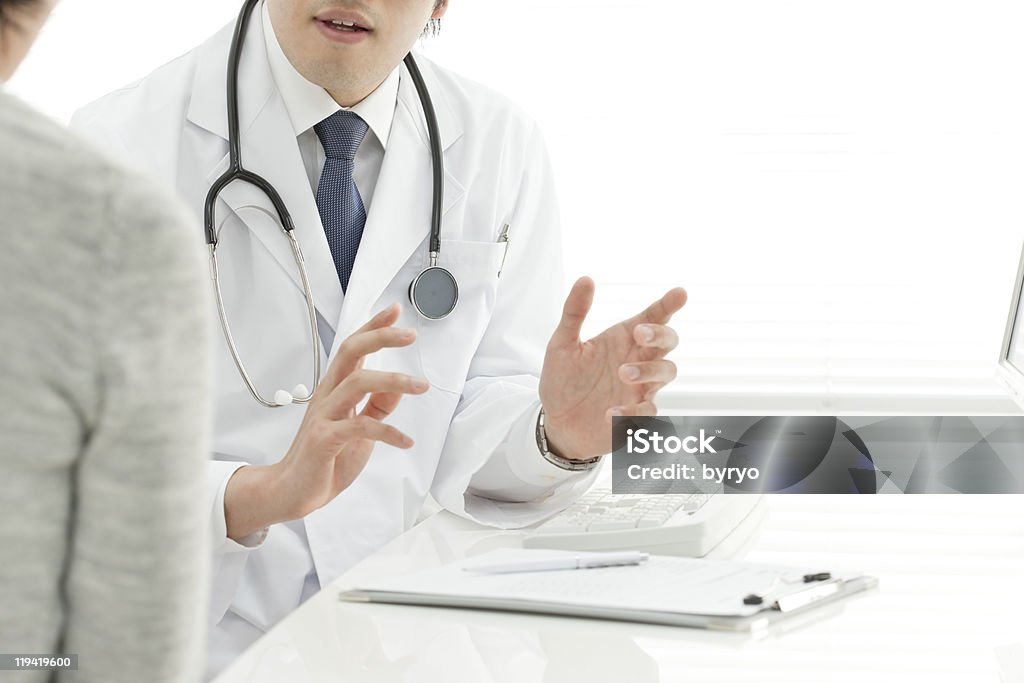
(670, 591)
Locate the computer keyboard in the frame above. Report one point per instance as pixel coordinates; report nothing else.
(690, 525)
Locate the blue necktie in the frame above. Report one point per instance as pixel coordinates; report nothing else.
(341, 207)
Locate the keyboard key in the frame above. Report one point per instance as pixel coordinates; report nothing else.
(601, 510)
(694, 502)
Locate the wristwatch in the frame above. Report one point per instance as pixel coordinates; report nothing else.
(557, 460)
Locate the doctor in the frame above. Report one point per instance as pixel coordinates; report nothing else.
(499, 410)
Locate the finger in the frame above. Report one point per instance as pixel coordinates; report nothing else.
(654, 371)
(386, 317)
(363, 344)
(362, 382)
(662, 310)
(355, 348)
(342, 366)
(366, 428)
(574, 312)
(644, 408)
(653, 336)
(379, 406)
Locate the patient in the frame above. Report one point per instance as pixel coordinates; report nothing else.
(104, 377)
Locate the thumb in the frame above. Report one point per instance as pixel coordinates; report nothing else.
(577, 305)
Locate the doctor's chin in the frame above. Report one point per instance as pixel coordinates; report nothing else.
(366, 340)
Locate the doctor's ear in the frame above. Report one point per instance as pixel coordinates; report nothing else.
(440, 7)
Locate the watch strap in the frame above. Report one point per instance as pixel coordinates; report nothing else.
(556, 459)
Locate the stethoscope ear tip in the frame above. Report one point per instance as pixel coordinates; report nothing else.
(283, 398)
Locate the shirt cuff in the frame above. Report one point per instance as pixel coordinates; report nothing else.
(526, 460)
(219, 521)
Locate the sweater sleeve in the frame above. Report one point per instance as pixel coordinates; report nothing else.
(138, 567)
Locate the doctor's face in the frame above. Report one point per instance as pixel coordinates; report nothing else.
(349, 47)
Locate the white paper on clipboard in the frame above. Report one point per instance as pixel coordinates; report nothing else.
(661, 586)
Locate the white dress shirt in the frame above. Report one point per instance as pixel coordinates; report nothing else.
(308, 104)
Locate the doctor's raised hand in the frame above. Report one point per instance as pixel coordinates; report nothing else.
(618, 372)
(334, 442)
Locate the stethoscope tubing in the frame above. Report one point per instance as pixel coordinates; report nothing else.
(436, 157)
(236, 172)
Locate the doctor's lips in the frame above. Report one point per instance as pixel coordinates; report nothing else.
(343, 25)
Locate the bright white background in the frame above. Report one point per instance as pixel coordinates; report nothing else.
(839, 185)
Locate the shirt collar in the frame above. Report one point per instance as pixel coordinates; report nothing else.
(308, 104)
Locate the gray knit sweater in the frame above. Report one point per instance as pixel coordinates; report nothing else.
(105, 379)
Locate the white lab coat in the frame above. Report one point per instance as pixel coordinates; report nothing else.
(476, 422)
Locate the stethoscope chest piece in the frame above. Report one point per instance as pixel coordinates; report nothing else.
(434, 293)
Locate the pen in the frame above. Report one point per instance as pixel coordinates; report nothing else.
(799, 598)
(581, 561)
(503, 239)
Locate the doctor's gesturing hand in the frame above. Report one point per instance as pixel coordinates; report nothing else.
(618, 372)
(334, 442)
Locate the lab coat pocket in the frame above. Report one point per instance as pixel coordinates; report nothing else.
(447, 346)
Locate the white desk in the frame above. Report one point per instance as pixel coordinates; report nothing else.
(950, 605)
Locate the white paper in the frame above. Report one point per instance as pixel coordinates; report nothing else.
(662, 584)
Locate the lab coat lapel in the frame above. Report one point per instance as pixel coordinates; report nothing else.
(269, 149)
(399, 218)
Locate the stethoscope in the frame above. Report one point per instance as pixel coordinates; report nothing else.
(433, 293)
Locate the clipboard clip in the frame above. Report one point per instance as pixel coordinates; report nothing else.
(824, 587)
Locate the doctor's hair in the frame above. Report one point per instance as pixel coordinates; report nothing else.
(433, 27)
(5, 11)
